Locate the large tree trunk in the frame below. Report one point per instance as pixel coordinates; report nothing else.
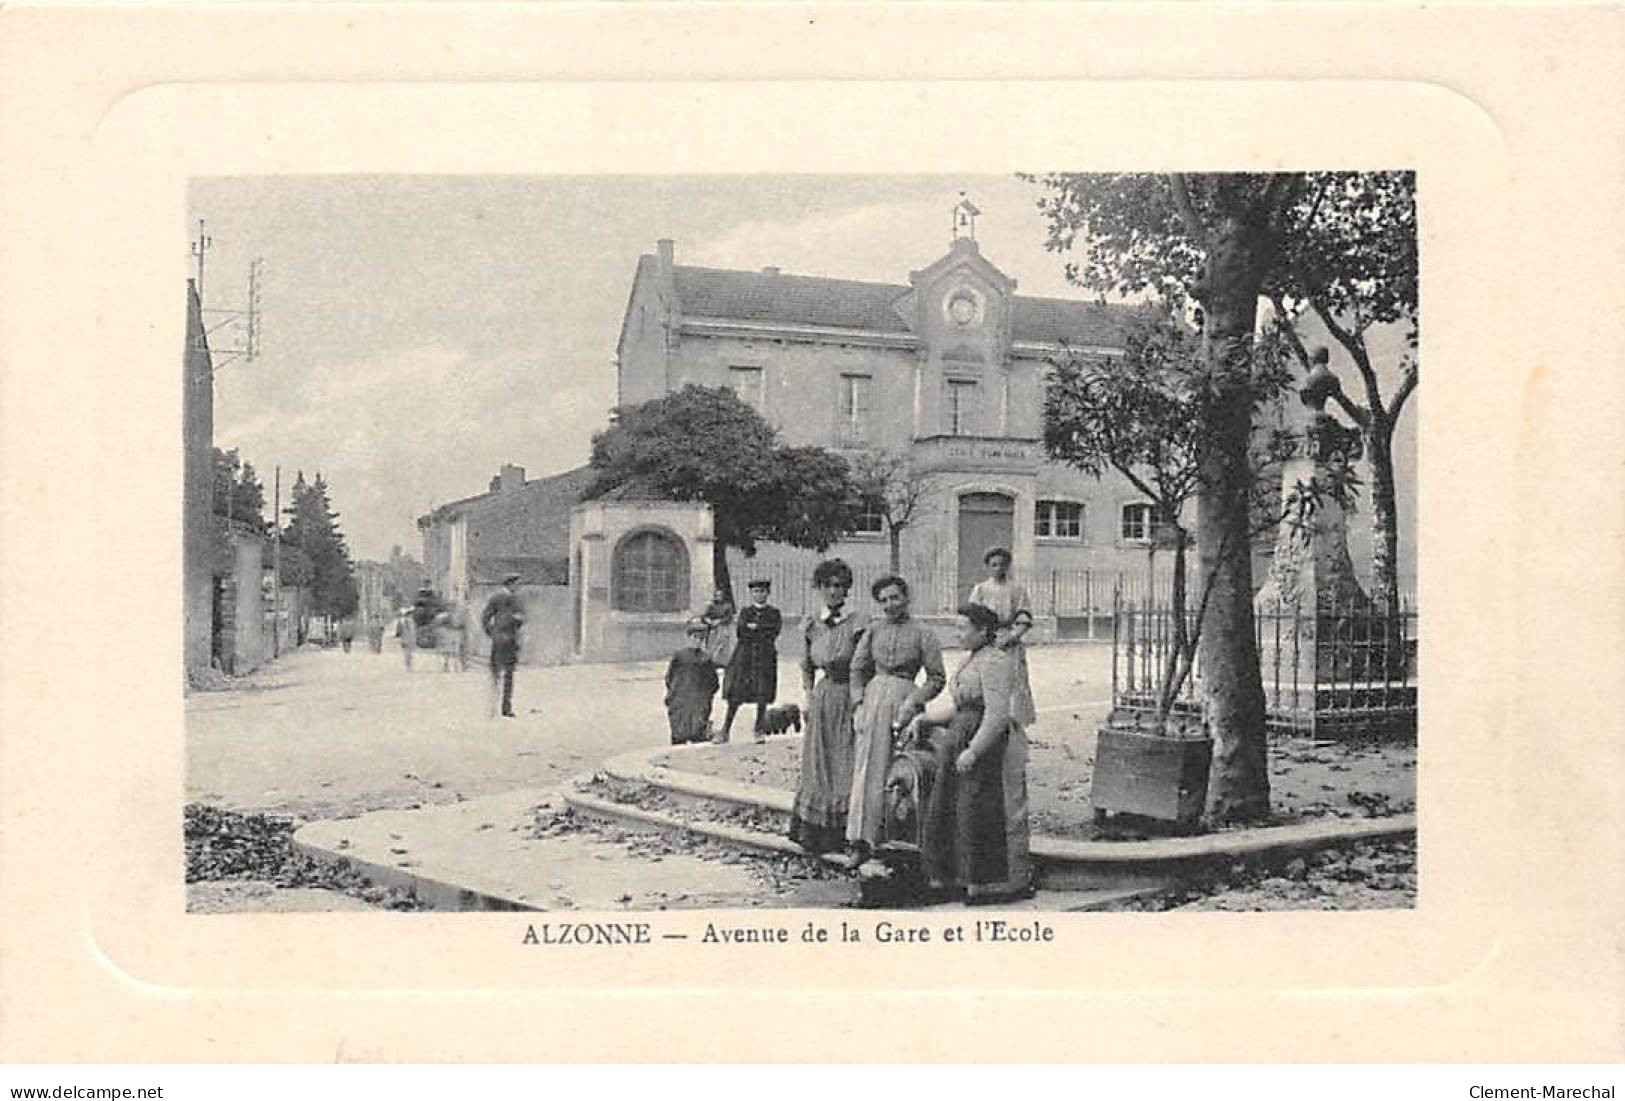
(1384, 521)
(719, 568)
(896, 549)
(1233, 689)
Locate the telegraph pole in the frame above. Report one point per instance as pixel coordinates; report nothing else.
(199, 247)
(276, 567)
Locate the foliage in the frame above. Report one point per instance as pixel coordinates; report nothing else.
(1354, 266)
(1214, 241)
(888, 481)
(1145, 415)
(313, 535)
(704, 444)
(403, 574)
(238, 494)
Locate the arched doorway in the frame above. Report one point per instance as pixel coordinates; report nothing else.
(986, 520)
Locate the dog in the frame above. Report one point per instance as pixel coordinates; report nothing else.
(780, 719)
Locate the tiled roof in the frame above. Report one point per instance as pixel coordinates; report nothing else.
(791, 299)
(851, 304)
(1062, 321)
(636, 489)
(566, 488)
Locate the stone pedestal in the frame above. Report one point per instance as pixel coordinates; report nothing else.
(1325, 648)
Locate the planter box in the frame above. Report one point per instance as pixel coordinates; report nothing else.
(1155, 777)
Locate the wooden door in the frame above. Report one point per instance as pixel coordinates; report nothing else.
(986, 520)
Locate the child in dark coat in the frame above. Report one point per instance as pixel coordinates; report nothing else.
(691, 684)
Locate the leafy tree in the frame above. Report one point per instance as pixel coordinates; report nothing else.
(238, 494)
(313, 533)
(1353, 265)
(1145, 415)
(888, 481)
(704, 444)
(1215, 239)
(402, 576)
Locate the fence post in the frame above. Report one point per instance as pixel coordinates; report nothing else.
(1116, 611)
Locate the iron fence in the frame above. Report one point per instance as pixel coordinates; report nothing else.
(1346, 663)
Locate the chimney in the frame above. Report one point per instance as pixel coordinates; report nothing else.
(510, 478)
(770, 271)
(664, 245)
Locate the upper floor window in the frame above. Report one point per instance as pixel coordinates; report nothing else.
(651, 573)
(870, 521)
(1058, 520)
(854, 408)
(961, 408)
(747, 383)
(1137, 523)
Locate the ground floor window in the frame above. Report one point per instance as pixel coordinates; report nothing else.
(870, 520)
(1058, 520)
(1137, 523)
(651, 573)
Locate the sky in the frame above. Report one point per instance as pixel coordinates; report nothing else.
(419, 332)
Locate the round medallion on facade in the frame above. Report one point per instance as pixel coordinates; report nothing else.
(963, 307)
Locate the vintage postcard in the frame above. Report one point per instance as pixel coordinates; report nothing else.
(578, 526)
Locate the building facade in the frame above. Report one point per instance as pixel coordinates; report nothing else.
(518, 525)
(948, 367)
(197, 493)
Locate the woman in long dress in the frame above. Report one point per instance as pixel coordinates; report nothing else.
(966, 829)
(885, 668)
(1009, 600)
(830, 638)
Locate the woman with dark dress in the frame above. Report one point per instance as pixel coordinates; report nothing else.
(965, 834)
(829, 639)
(1013, 605)
(691, 684)
(753, 672)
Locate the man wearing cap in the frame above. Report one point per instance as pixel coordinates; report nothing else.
(753, 672)
(502, 620)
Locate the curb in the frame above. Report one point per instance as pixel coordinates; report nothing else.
(433, 892)
(1062, 861)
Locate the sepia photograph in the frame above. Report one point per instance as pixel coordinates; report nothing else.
(1036, 542)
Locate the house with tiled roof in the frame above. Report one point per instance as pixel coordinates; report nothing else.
(519, 525)
(948, 365)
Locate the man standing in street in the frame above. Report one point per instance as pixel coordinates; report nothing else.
(502, 620)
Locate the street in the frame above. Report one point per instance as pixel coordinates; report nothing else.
(323, 734)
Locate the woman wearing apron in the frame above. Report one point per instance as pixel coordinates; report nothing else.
(889, 658)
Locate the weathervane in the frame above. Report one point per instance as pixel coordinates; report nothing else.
(965, 213)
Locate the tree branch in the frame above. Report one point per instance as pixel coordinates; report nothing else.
(1406, 386)
(1180, 187)
(1291, 331)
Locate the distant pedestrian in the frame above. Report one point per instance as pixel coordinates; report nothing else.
(375, 635)
(691, 685)
(503, 620)
(346, 633)
(451, 626)
(753, 672)
(406, 633)
(425, 610)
